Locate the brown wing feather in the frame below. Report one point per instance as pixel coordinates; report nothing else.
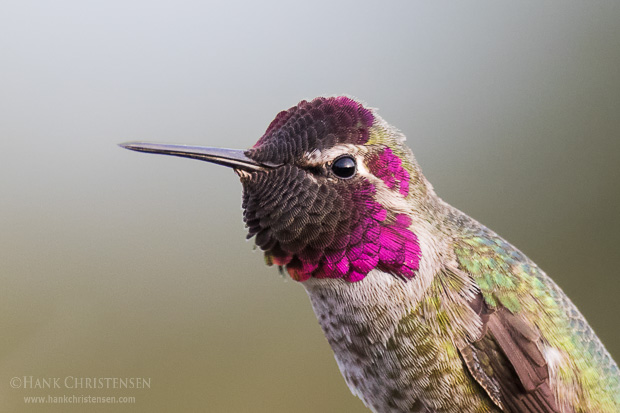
(508, 363)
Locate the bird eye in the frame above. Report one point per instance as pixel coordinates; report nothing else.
(344, 167)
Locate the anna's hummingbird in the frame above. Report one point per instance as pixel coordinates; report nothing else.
(426, 309)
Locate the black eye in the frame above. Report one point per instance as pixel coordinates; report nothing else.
(344, 167)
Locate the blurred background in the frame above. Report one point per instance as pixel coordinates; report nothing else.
(119, 264)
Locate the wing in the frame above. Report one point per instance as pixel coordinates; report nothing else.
(536, 352)
(507, 359)
(508, 363)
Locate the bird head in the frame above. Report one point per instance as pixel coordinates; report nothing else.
(329, 191)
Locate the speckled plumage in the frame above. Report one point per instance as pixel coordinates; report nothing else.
(426, 309)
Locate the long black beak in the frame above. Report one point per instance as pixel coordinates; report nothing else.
(233, 158)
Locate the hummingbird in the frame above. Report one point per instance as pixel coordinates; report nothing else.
(425, 309)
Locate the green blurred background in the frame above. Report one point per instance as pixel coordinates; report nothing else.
(118, 264)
